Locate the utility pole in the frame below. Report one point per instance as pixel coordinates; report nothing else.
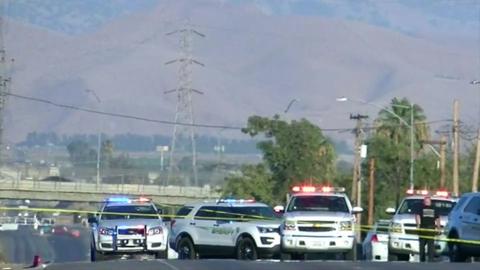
(443, 158)
(456, 147)
(183, 129)
(371, 192)
(357, 173)
(477, 165)
(5, 79)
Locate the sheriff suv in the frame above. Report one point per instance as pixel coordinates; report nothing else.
(128, 226)
(403, 231)
(242, 229)
(318, 220)
(463, 228)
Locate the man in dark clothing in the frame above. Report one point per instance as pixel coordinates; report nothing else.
(428, 223)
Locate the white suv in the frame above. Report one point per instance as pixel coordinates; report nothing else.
(128, 226)
(403, 231)
(463, 228)
(318, 220)
(241, 229)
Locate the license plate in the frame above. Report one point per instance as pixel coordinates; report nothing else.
(317, 243)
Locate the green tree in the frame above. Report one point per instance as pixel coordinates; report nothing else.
(293, 151)
(254, 181)
(390, 146)
(81, 154)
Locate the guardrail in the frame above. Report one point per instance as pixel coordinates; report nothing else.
(129, 189)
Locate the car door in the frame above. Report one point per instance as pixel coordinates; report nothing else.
(204, 221)
(224, 227)
(471, 220)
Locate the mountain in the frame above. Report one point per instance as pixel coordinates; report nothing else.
(254, 64)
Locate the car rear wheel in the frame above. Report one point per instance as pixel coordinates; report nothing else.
(246, 249)
(186, 249)
(455, 253)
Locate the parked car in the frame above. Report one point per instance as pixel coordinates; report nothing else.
(463, 228)
(375, 245)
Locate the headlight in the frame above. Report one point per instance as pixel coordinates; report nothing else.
(155, 230)
(106, 231)
(346, 225)
(396, 228)
(289, 225)
(267, 229)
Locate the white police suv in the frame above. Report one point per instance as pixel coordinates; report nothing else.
(318, 220)
(403, 233)
(128, 226)
(242, 229)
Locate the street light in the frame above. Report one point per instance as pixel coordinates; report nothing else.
(99, 136)
(409, 125)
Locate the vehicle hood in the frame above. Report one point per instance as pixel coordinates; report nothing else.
(268, 223)
(410, 219)
(130, 223)
(318, 216)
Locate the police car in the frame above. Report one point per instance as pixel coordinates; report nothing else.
(128, 226)
(403, 231)
(242, 229)
(318, 220)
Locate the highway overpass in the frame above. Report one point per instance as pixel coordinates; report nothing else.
(88, 192)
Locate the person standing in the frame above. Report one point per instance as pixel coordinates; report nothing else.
(428, 222)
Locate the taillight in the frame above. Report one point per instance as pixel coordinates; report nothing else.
(374, 238)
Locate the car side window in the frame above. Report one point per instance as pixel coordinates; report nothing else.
(473, 206)
(224, 213)
(460, 203)
(206, 213)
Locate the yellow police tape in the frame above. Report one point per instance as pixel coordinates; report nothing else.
(244, 218)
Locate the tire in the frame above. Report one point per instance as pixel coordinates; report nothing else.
(246, 249)
(95, 256)
(351, 254)
(398, 257)
(186, 249)
(298, 256)
(455, 253)
(162, 254)
(285, 256)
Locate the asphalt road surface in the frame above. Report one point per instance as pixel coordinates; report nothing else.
(264, 265)
(19, 247)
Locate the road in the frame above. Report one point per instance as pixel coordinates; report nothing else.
(21, 246)
(264, 265)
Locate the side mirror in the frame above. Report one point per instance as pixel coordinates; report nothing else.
(357, 210)
(279, 209)
(390, 211)
(92, 220)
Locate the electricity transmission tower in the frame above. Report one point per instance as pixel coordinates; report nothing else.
(5, 79)
(183, 139)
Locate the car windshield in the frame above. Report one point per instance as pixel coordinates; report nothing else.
(129, 212)
(254, 212)
(414, 206)
(318, 203)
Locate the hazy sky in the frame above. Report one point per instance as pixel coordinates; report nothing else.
(414, 17)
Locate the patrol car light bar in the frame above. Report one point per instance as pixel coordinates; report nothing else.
(439, 193)
(311, 189)
(236, 201)
(127, 200)
(118, 200)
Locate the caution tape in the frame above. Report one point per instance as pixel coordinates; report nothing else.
(245, 218)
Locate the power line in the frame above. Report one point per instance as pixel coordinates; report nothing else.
(166, 122)
(117, 115)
